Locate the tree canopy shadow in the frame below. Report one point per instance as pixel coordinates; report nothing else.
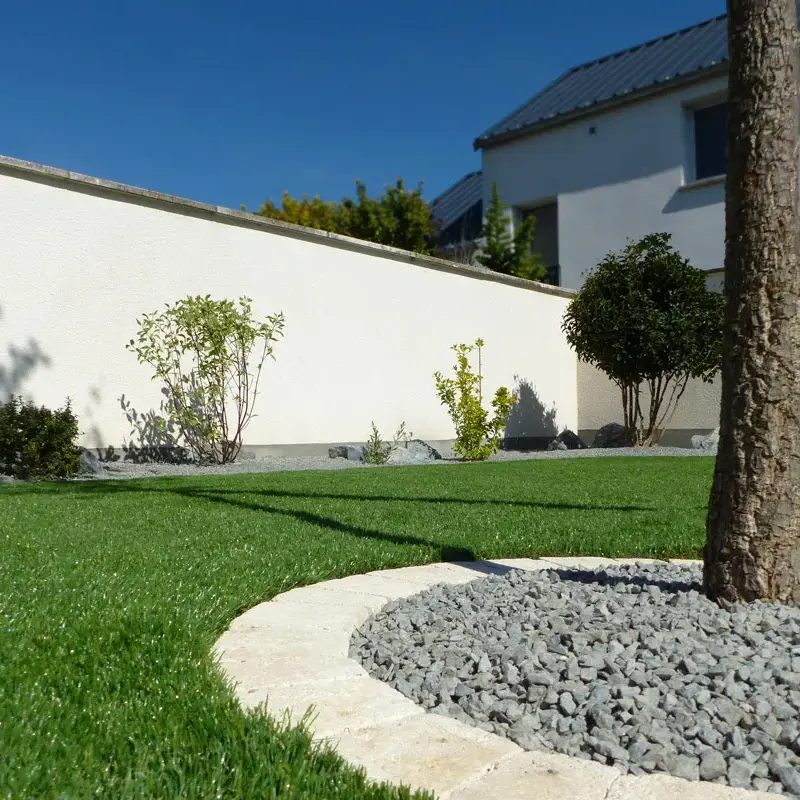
(22, 362)
(134, 485)
(530, 424)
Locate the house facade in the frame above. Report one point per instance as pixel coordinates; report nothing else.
(620, 147)
(623, 146)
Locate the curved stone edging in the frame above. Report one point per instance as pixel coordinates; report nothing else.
(292, 652)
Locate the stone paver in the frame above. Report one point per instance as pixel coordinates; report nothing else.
(291, 653)
(665, 787)
(342, 705)
(580, 562)
(553, 776)
(424, 752)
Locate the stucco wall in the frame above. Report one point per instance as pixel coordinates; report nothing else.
(599, 402)
(630, 177)
(365, 326)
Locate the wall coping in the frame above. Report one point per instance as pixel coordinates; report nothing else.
(173, 204)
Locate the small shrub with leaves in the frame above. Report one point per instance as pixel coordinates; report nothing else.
(477, 433)
(376, 451)
(209, 355)
(37, 442)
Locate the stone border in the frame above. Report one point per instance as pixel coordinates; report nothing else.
(292, 652)
(168, 202)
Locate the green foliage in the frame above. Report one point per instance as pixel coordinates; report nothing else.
(477, 434)
(36, 442)
(309, 212)
(503, 253)
(398, 218)
(202, 351)
(646, 319)
(376, 451)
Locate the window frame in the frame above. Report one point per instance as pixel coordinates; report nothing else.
(691, 174)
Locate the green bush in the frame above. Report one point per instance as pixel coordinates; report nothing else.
(209, 355)
(36, 442)
(645, 318)
(376, 451)
(477, 435)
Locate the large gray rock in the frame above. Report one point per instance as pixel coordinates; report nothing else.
(90, 464)
(571, 440)
(612, 435)
(707, 443)
(557, 444)
(348, 451)
(415, 452)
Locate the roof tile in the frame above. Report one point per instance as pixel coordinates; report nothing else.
(660, 61)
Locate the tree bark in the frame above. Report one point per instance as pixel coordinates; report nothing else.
(753, 531)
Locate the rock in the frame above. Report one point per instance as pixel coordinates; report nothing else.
(712, 765)
(612, 435)
(740, 773)
(90, 464)
(567, 440)
(350, 452)
(708, 443)
(414, 452)
(685, 767)
(567, 704)
(790, 778)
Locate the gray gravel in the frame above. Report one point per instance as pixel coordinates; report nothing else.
(630, 666)
(125, 469)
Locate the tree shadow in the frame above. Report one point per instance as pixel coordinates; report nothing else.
(602, 578)
(530, 425)
(23, 361)
(446, 552)
(112, 486)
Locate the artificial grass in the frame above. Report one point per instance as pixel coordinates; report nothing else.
(112, 594)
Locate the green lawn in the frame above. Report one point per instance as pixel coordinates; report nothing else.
(112, 594)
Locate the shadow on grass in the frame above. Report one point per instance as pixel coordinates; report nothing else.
(133, 485)
(233, 497)
(446, 552)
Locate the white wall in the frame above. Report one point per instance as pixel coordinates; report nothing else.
(630, 178)
(600, 402)
(365, 327)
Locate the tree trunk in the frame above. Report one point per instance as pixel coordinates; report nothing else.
(753, 533)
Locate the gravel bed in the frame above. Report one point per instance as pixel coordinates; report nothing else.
(120, 470)
(630, 666)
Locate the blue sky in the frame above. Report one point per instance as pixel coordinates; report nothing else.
(232, 103)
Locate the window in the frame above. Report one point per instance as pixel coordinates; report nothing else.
(709, 140)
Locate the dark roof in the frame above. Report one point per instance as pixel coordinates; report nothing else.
(684, 55)
(458, 199)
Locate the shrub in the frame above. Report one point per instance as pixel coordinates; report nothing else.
(400, 217)
(201, 349)
(36, 442)
(477, 435)
(376, 451)
(646, 319)
(500, 251)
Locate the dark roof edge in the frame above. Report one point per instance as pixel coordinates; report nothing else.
(462, 179)
(484, 142)
(75, 181)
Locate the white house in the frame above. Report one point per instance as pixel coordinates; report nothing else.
(626, 145)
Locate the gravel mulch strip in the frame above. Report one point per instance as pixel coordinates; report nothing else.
(629, 665)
